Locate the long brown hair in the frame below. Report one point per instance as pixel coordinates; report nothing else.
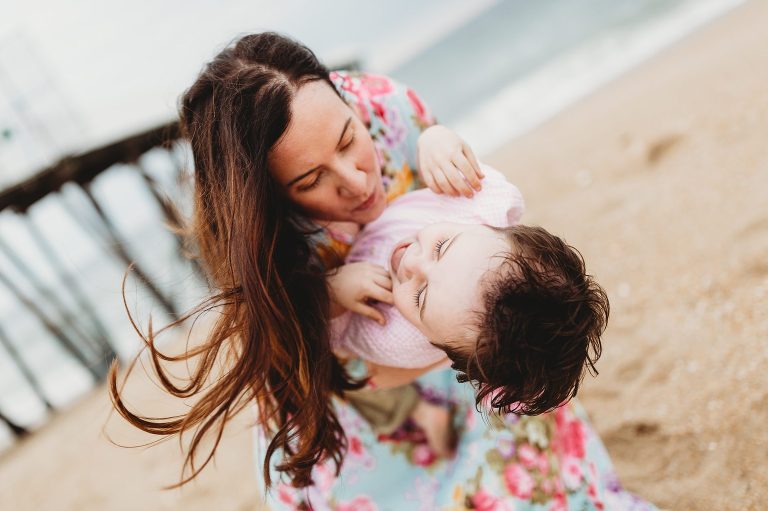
(269, 286)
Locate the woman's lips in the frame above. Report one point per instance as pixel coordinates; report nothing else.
(368, 202)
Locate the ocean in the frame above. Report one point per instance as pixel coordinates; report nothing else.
(492, 72)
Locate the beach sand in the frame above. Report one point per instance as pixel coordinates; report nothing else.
(661, 180)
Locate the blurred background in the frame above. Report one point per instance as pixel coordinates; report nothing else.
(89, 155)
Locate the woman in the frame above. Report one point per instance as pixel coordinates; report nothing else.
(285, 174)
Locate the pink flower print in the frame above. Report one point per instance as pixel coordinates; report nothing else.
(592, 494)
(357, 504)
(377, 85)
(379, 111)
(572, 473)
(422, 455)
(559, 503)
(324, 476)
(542, 461)
(356, 446)
(484, 501)
(286, 494)
(355, 94)
(571, 434)
(519, 481)
(527, 456)
(358, 454)
(418, 108)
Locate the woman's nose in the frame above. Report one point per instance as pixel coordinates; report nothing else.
(353, 183)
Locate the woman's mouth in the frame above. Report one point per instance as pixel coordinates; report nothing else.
(367, 203)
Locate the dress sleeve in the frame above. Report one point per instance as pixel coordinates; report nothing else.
(395, 116)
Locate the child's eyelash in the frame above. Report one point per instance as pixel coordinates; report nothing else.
(439, 246)
(416, 296)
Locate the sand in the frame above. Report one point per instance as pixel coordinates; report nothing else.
(661, 180)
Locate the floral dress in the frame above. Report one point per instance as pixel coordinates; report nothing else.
(549, 462)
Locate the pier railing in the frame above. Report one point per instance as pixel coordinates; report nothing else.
(54, 297)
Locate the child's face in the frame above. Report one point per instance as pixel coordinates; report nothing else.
(437, 276)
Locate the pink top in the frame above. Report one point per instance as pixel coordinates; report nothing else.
(399, 343)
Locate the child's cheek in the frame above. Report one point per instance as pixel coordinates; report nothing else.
(403, 299)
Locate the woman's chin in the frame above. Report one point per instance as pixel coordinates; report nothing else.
(370, 214)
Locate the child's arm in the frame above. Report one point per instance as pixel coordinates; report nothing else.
(353, 286)
(446, 163)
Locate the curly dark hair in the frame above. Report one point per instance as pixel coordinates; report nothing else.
(541, 325)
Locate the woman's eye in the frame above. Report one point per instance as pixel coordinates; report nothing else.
(348, 144)
(313, 184)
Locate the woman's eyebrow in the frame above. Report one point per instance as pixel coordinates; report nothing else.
(344, 130)
(305, 174)
(426, 291)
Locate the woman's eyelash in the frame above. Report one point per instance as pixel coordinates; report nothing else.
(319, 174)
(313, 184)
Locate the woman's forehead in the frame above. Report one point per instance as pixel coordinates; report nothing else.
(318, 119)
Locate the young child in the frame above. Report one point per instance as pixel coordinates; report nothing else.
(510, 305)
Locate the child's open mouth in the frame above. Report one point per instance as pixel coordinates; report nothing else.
(397, 255)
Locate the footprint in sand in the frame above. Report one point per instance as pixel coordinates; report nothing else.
(658, 149)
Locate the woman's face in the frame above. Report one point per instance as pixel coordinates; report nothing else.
(326, 161)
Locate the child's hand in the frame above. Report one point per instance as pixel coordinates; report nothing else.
(355, 285)
(446, 163)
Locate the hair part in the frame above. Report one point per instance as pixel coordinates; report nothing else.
(540, 326)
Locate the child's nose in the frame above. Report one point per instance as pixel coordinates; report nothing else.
(415, 264)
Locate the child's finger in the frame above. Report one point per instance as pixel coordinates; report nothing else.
(370, 312)
(383, 281)
(379, 289)
(458, 181)
(429, 180)
(470, 154)
(471, 176)
(444, 184)
(382, 294)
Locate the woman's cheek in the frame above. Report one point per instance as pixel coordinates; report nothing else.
(368, 157)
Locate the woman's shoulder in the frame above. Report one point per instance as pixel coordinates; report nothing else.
(376, 94)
